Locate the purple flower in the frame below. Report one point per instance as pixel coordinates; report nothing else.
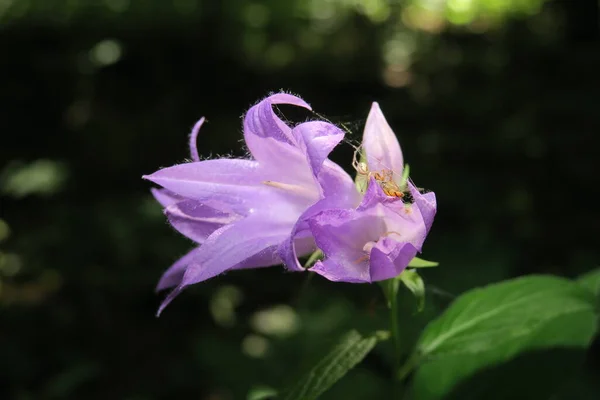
(376, 240)
(240, 211)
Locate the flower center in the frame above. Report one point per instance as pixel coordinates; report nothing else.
(370, 244)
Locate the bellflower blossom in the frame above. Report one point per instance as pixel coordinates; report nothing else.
(240, 211)
(376, 240)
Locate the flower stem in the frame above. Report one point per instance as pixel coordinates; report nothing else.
(393, 302)
(407, 368)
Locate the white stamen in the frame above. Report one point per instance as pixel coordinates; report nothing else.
(297, 189)
(369, 246)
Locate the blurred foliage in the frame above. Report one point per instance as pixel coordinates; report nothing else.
(495, 104)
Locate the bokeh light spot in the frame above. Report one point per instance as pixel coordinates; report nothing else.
(396, 75)
(118, 6)
(10, 264)
(256, 15)
(255, 346)
(223, 304)
(399, 49)
(106, 52)
(44, 177)
(280, 320)
(4, 230)
(376, 10)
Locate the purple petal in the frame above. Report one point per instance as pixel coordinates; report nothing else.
(273, 144)
(317, 139)
(193, 138)
(165, 197)
(374, 242)
(297, 155)
(427, 204)
(250, 239)
(262, 122)
(337, 271)
(342, 235)
(389, 258)
(381, 145)
(375, 196)
(291, 248)
(336, 183)
(173, 276)
(237, 184)
(400, 218)
(197, 221)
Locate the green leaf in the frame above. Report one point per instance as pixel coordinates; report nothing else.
(417, 262)
(350, 350)
(591, 281)
(537, 374)
(491, 325)
(413, 281)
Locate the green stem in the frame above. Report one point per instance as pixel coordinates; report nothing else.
(393, 299)
(407, 368)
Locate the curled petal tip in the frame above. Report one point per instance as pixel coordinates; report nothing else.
(286, 98)
(193, 138)
(169, 299)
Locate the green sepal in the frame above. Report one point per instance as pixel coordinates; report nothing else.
(361, 181)
(413, 281)
(390, 289)
(314, 257)
(404, 178)
(417, 262)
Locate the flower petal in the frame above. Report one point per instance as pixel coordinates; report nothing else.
(381, 145)
(389, 258)
(336, 183)
(197, 221)
(317, 139)
(165, 197)
(297, 155)
(337, 271)
(290, 249)
(404, 221)
(228, 185)
(375, 196)
(374, 242)
(273, 144)
(173, 276)
(427, 204)
(228, 247)
(262, 122)
(342, 235)
(193, 138)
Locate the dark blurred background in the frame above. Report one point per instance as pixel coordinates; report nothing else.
(496, 104)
